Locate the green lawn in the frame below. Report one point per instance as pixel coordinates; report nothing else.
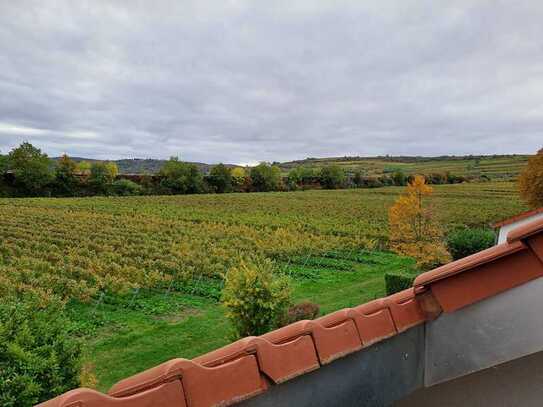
(128, 334)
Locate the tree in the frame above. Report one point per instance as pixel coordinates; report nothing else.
(66, 180)
(413, 231)
(83, 167)
(531, 181)
(358, 179)
(3, 164)
(38, 357)
(239, 178)
(256, 300)
(265, 177)
(300, 176)
(399, 178)
(181, 178)
(220, 178)
(5, 190)
(332, 177)
(31, 169)
(102, 176)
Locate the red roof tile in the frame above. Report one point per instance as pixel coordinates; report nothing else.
(405, 309)
(518, 217)
(258, 362)
(167, 394)
(373, 321)
(527, 230)
(468, 263)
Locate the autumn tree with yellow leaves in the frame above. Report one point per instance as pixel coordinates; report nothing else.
(413, 230)
(531, 181)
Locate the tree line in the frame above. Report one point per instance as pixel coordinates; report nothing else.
(27, 171)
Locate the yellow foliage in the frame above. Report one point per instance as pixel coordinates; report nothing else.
(531, 181)
(255, 299)
(87, 378)
(413, 231)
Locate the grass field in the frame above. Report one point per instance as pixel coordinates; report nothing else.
(143, 274)
(493, 167)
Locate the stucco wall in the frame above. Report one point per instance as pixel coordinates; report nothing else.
(518, 383)
(374, 377)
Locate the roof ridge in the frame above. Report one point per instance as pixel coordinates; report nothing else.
(280, 355)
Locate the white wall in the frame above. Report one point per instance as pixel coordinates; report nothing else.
(504, 230)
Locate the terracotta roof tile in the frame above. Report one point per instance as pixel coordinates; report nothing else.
(482, 275)
(197, 380)
(468, 263)
(258, 362)
(167, 394)
(405, 309)
(525, 231)
(373, 321)
(518, 217)
(335, 335)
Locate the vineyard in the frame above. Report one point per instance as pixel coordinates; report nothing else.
(78, 248)
(492, 167)
(143, 274)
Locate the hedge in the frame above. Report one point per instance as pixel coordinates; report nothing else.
(398, 281)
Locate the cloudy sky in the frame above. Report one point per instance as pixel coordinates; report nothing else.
(243, 81)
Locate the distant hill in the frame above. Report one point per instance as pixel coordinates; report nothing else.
(491, 166)
(142, 165)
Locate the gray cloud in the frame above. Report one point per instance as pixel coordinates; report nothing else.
(241, 81)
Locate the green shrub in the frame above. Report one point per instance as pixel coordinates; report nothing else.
(265, 177)
(332, 177)
(463, 242)
(125, 187)
(256, 300)
(220, 179)
(181, 178)
(38, 359)
(398, 281)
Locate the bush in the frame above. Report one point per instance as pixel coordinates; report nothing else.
(301, 311)
(265, 177)
(125, 187)
(399, 179)
(101, 177)
(398, 281)
(220, 179)
(181, 178)
(38, 359)
(463, 242)
(332, 177)
(256, 300)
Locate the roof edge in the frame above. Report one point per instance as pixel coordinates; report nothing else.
(469, 262)
(525, 231)
(517, 217)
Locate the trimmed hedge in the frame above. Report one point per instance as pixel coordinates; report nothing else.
(398, 281)
(463, 242)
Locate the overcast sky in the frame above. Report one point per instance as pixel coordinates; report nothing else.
(244, 81)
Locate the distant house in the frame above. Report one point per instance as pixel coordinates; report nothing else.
(506, 225)
(466, 334)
